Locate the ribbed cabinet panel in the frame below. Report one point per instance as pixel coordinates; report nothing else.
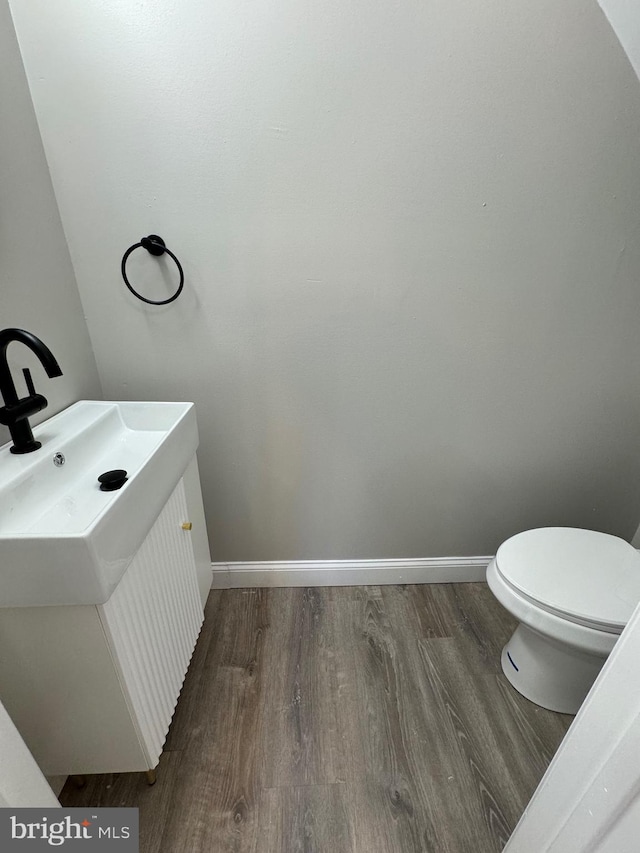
(152, 622)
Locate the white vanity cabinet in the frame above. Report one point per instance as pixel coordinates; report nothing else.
(93, 688)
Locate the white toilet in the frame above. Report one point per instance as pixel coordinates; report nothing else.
(572, 591)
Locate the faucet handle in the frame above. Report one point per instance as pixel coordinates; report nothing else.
(31, 388)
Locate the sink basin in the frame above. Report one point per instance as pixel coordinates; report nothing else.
(62, 539)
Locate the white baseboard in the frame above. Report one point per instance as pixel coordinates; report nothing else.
(349, 572)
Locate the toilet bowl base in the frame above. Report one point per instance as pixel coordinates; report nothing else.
(550, 674)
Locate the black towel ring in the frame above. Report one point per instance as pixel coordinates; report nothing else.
(155, 246)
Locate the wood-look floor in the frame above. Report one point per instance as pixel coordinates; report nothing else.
(343, 720)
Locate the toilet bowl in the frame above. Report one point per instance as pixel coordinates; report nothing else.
(572, 591)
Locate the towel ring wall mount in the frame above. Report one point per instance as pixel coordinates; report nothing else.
(156, 246)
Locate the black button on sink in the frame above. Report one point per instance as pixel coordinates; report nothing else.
(112, 480)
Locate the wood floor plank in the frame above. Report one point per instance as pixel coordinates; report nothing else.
(378, 820)
(303, 743)
(216, 795)
(460, 813)
(432, 608)
(307, 819)
(493, 805)
(482, 623)
(533, 732)
(505, 761)
(403, 764)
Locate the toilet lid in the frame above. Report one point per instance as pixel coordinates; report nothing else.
(587, 577)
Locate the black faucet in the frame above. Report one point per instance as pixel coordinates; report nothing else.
(15, 412)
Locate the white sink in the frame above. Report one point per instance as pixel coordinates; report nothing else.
(62, 540)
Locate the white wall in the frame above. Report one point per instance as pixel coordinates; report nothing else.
(624, 17)
(38, 289)
(411, 235)
(38, 292)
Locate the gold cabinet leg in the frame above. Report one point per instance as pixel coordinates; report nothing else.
(151, 777)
